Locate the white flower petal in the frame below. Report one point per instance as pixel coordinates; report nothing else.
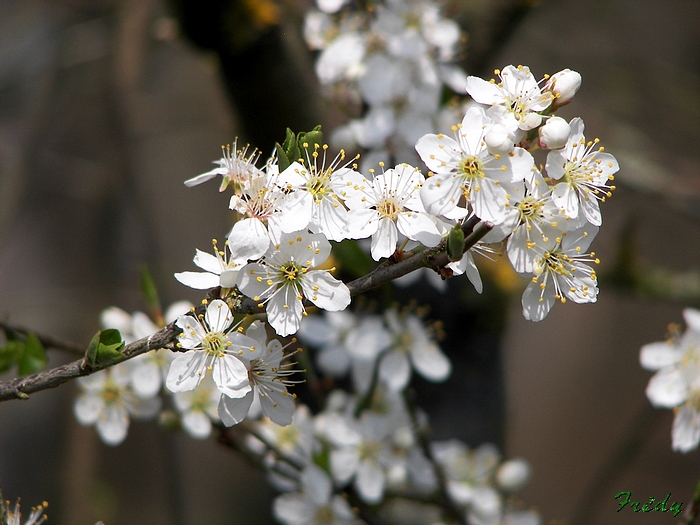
(654, 356)
(198, 280)
(207, 262)
(369, 482)
(430, 362)
(395, 370)
(88, 408)
(667, 388)
(686, 429)
(234, 410)
(113, 425)
(248, 239)
(344, 463)
(278, 406)
(197, 424)
(183, 375)
(325, 291)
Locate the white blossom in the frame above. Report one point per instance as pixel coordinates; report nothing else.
(315, 504)
(286, 276)
(560, 273)
(107, 400)
(676, 383)
(267, 379)
(211, 346)
(235, 167)
(390, 205)
(582, 175)
(220, 269)
(464, 167)
(518, 93)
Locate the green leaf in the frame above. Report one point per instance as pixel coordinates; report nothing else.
(310, 139)
(105, 347)
(455, 243)
(282, 159)
(10, 354)
(149, 291)
(33, 358)
(291, 147)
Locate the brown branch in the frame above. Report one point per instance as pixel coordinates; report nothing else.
(20, 388)
(435, 258)
(47, 341)
(691, 514)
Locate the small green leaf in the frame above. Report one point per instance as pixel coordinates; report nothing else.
(282, 159)
(150, 292)
(291, 147)
(33, 358)
(106, 346)
(10, 354)
(309, 140)
(289, 141)
(455, 243)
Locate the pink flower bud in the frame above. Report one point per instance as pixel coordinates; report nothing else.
(554, 133)
(563, 86)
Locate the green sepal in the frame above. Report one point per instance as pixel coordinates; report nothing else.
(291, 149)
(282, 160)
(289, 146)
(9, 354)
(323, 459)
(28, 354)
(309, 140)
(455, 243)
(33, 358)
(150, 292)
(105, 347)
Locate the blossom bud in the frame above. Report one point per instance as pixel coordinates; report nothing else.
(530, 121)
(563, 86)
(554, 134)
(498, 141)
(513, 474)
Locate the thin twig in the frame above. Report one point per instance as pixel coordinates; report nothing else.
(47, 341)
(446, 501)
(21, 388)
(691, 515)
(167, 337)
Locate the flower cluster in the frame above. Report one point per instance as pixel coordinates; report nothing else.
(380, 456)
(396, 59)
(676, 383)
(371, 441)
(109, 398)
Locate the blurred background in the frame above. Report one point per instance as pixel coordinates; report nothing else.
(106, 106)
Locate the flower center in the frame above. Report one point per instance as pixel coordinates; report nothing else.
(111, 393)
(318, 187)
(324, 516)
(529, 207)
(369, 450)
(214, 343)
(289, 272)
(388, 208)
(557, 262)
(471, 167)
